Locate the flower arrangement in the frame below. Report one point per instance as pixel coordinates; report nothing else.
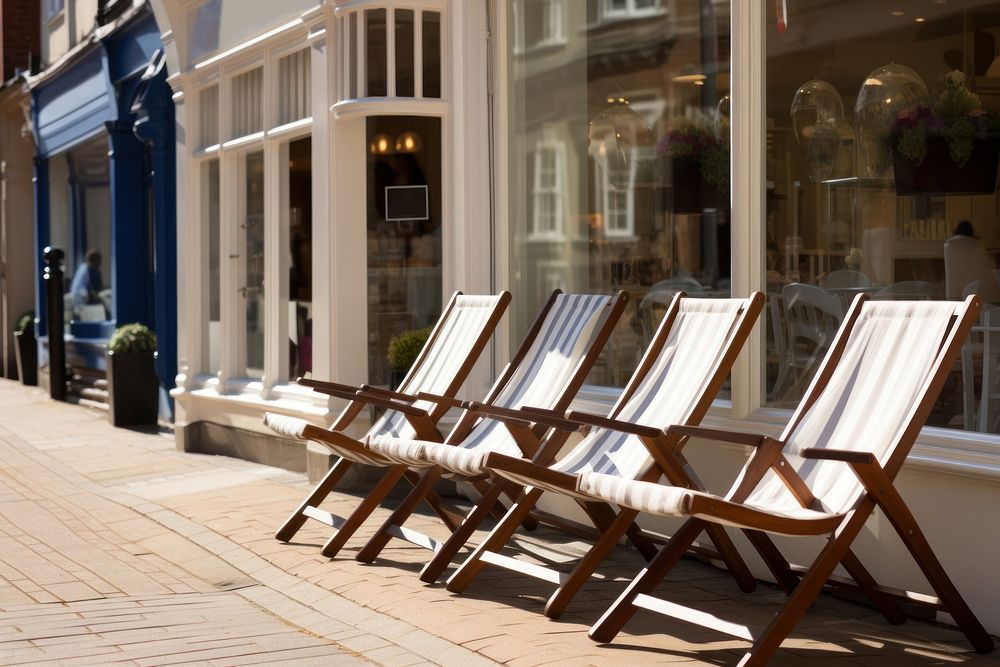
(854, 258)
(955, 115)
(699, 140)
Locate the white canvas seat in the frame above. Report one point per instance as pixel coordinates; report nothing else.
(832, 466)
(454, 344)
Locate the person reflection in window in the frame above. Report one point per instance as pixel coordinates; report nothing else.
(87, 282)
(965, 260)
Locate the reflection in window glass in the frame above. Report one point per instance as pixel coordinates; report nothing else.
(619, 164)
(404, 233)
(848, 212)
(404, 53)
(210, 202)
(375, 62)
(247, 103)
(352, 74)
(80, 224)
(432, 54)
(299, 220)
(253, 244)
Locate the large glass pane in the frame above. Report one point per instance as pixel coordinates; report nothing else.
(881, 179)
(90, 230)
(210, 206)
(253, 245)
(376, 63)
(404, 232)
(618, 156)
(299, 221)
(404, 53)
(59, 212)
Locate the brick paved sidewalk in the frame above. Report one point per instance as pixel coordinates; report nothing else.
(115, 548)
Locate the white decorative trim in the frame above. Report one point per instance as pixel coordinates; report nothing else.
(386, 106)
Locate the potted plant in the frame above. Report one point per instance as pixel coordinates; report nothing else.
(26, 349)
(403, 351)
(699, 156)
(946, 144)
(133, 389)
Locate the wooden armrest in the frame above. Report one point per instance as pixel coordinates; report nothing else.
(551, 418)
(735, 437)
(387, 393)
(325, 387)
(600, 421)
(513, 417)
(390, 404)
(450, 401)
(522, 467)
(845, 455)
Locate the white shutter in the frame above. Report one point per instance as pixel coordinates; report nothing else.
(293, 81)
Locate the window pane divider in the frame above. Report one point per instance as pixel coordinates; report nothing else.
(418, 53)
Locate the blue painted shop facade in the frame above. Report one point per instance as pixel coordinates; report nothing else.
(105, 192)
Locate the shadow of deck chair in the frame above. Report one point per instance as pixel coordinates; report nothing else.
(561, 347)
(833, 465)
(459, 337)
(678, 377)
(548, 369)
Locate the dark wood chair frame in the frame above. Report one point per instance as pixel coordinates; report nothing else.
(611, 527)
(527, 430)
(804, 584)
(424, 423)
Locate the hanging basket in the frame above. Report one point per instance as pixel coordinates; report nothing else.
(691, 194)
(939, 175)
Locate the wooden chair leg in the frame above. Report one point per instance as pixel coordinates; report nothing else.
(808, 589)
(294, 522)
(737, 567)
(502, 532)
(431, 572)
(611, 622)
(363, 510)
(774, 560)
(585, 567)
(903, 521)
(888, 607)
(399, 516)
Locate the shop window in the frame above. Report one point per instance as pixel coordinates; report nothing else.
(210, 214)
(80, 224)
(294, 101)
(376, 66)
(297, 211)
(404, 232)
(849, 210)
(252, 250)
(247, 103)
(405, 81)
(636, 196)
(432, 54)
(208, 116)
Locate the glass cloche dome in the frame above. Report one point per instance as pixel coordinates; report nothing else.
(884, 92)
(817, 114)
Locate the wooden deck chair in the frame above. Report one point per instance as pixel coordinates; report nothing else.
(677, 379)
(548, 369)
(459, 337)
(570, 332)
(833, 465)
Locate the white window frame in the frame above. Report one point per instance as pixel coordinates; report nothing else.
(556, 191)
(52, 9)
(630, 11)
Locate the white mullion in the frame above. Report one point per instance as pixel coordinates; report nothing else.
(748, 139)
(390, 52)
(359, 55)
(323, 193)
(230, 271)
(192, 313)
(270, 92)
(275, 291)
(418, 53)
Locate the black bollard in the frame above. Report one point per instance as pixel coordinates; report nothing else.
(53, 276)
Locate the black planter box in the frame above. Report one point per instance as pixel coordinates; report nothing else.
(939, 175)
(26, 357)
(133, 390)
(691, 194)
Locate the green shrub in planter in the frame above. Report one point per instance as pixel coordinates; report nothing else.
(133, 389)
(404, 350)
(26, 349)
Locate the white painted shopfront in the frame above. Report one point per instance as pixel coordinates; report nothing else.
(538, 135)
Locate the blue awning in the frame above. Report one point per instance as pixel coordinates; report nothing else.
(74, 105)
